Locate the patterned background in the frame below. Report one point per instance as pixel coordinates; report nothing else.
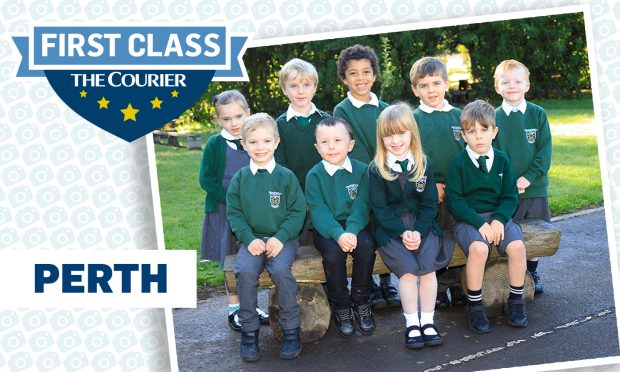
(67, 184)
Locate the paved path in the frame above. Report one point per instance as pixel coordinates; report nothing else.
(573, 320)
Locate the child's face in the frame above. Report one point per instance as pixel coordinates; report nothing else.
(260, 144)
(479, 138)
(359, 77)
(513, 85)
(299, 91)
(398, 144)
(231, 117)
(333, 143)
(431, 90)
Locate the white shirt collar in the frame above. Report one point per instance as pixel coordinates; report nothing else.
(428, 109)
(474, 156)
(229, 137)
(291, 113)
(332, 168)
(508, 108)
(270, 166)
(391, 162)
(358, 104)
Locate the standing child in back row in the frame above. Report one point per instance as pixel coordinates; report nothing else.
(525, 136)
(222, 158)
(403, 198)
(440, 133)
(358, 67)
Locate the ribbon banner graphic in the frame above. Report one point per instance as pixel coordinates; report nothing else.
(130, 81)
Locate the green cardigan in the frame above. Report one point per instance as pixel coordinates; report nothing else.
(212, 172)
(388, 201)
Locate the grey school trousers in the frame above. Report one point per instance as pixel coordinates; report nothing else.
(248, 268)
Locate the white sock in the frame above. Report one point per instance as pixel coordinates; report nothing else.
(412, 320)
(427, 318)
(232, 308)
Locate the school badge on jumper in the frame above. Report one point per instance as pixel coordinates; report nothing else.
(274, 199)
(530, 134)
(420, 184)
(456, 132)
(352, 190)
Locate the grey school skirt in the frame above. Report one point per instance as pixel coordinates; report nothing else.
(429, 257)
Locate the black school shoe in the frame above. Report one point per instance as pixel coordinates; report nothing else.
(457, 296)
(478, 321)
(291, 344)
(442, 300)
(390, 294)
(431, 340)
(376, 298)
(365, 319)
(416, 342)
(233, 321)
(263, 317)
(538, 287)
(343, 319)
(249, 346)
(516, 312)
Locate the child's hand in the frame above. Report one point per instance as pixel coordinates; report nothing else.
(411, 240)
(522, 184)
(487, 232)
(273, 247)
(498, 231)
(256, 247)
(441, 191)
(347, 242)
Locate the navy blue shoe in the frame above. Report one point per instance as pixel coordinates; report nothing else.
(376, 298)
(365, 319)
(249, 346)
(291, 344)
(516, 312)
(442, 301)
(416, 342)
(390, 294)
(478, 321)
(343, 320)
(431, 340)
(538, 287)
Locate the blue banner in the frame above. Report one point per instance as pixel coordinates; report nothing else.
(130, 81)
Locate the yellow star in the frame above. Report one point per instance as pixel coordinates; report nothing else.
(156, 103)
(83, 93)
(130, 113)
(175, 94)
(103, 103)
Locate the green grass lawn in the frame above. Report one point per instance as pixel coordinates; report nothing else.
(575, 183)
(574, 111)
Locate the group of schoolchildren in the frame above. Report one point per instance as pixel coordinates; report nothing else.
(408, 183)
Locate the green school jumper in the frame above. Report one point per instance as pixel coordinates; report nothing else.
(469, 191)
(263, 205)
(341, 197)
(440, 133)
(296, 149)
(363, 121)
(526, 138)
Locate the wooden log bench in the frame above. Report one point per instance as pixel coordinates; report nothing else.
(541, 239)
(193, 141)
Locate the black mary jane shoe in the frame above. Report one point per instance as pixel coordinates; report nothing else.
(431, 340)
(233, 321)
(263, 319)
(416, 342)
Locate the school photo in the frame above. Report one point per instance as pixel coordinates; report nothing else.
(364, 90)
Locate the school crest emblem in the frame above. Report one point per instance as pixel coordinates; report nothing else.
(352, 190)
(420, 184)
(530, 134)
(456, 132)
(274, 199)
